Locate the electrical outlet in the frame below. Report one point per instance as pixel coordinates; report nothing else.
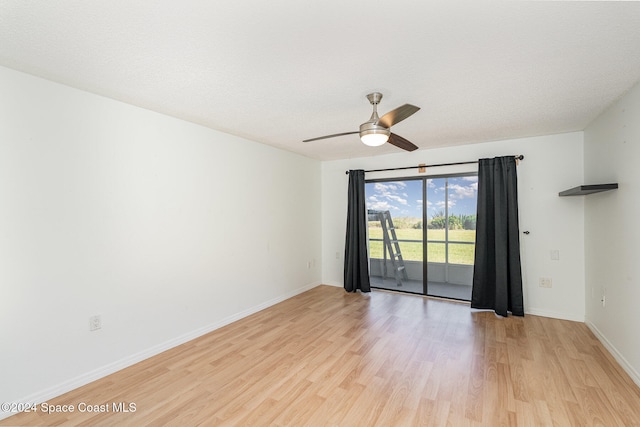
(545, 282)
(95, 322)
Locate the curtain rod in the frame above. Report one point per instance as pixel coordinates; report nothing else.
(518, 157)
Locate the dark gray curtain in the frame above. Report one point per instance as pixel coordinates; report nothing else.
(497, 275)
(356, 261)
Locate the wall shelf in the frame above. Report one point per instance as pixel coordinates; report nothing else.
(581, 190)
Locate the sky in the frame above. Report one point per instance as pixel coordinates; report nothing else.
(404, 198)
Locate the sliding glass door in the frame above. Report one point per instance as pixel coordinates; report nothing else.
(422, 234)
(451, 235)
(396, 240)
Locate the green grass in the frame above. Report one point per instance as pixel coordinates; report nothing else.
(458, 253)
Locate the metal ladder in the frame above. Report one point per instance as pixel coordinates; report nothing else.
(390, 245)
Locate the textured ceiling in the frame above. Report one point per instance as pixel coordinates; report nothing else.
(281, 71)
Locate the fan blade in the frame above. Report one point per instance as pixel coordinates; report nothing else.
(400, 142)
(397, 115)
(330, 136)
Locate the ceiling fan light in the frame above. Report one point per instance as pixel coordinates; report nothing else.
(374, 138)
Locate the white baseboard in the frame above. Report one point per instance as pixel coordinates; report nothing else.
(635, 376)
(336, 284)
(554, 315)
(96, 374)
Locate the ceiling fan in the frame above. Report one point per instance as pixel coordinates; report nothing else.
(377, 130)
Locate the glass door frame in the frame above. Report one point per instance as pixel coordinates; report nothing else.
(425, 241)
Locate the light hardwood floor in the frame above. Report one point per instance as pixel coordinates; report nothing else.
(327, 357)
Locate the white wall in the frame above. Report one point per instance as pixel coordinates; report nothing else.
(552, 164)
(164, 228)
(612, 235)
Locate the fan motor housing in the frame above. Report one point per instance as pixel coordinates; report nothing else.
(368, 128)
